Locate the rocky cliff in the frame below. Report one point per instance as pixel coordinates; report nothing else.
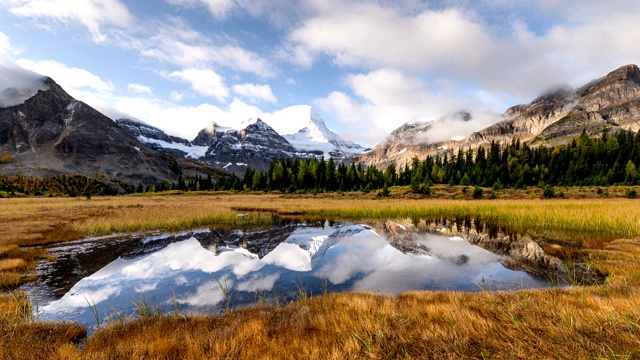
(253, 143)
(554, 118)
(255, 146)
(52, 133)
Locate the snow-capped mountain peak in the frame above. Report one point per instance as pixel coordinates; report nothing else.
(306, 131)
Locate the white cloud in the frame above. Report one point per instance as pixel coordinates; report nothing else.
(175, 42)
(217, 8)
(279, 13)
(139, 89)
(384, 100)
(204, 81)
(372, 35)
(93, 14)
(176, 96)
(183, 121)
(255, 93)
(6, 48)
(70, 78)
(17, 84)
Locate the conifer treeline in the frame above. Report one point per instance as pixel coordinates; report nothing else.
(72, 185)
(600, 161)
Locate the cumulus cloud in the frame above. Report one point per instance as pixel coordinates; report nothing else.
(73, 80)
(139, 89)
(385, 99)
(183, 121)
(204, 81)
(372, 35)
(468, 44)
(92, 14)
(255, 93)
(6, 48)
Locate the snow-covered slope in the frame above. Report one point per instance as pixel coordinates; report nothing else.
(294, 132)
(306, 131)
(159, 140)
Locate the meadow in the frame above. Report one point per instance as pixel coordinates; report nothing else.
(597, 321)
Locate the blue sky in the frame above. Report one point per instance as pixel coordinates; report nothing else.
(367, 67)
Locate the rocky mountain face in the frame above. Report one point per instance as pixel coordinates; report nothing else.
(612, 103)
(255, 146)
(254, 143)
(51, 133)
(154, 138)
(412, 140)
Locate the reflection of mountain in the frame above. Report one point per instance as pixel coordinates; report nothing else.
(193, 269)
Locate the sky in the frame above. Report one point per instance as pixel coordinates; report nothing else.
(366, 67)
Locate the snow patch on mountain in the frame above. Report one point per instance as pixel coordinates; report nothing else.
(194, 152)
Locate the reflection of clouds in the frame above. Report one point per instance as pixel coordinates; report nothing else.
(352, 256)
(181, 280)
(452, 248)
(143, 288)
(258, 282)
(208, 294)
(381, 267)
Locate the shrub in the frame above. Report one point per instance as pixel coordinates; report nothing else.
(384, 192)
(477, 192)
(631, 194)
(549, 192)
(6, 159)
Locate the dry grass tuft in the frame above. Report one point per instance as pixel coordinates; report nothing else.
(12, 265)
(9, 280)
(600, 321)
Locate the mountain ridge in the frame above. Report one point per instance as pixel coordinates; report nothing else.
(553, 118)
(52, 133)
(253, 143)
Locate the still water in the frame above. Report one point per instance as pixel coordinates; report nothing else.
(204, 271)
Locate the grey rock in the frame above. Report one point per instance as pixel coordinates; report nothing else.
(52, 133)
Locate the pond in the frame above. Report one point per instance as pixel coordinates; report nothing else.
(206, 271)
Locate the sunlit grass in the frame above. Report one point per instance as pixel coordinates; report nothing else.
(12, 264)
(600, 321)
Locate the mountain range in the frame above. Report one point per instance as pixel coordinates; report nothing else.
(51, 133)
(294, 132)
(46, 132)
(552, 119)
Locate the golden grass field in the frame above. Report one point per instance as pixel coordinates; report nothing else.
(590, 322)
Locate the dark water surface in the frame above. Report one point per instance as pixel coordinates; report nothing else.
(192, 272)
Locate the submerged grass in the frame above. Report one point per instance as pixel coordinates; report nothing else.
(600, 321)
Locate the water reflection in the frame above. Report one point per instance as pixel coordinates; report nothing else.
(191, 270)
